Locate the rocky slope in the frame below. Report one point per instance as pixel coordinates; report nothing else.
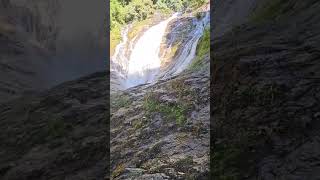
(57, 134)
(161, 131)
(266, 93)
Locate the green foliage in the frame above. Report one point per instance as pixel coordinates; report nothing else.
(238, 141)
(235, 159)
(183, 91)
(117, 14)
(177, 111)
(115, 37)
(56, 127)
(139, 10)
(53, 130)
(224, 159)
(174, 5)
(203, 48)
(272, 10)
(179, 5)
(118, 101)
(137, 124)
(194, 3)
(122, 12)
(266, 96)
(125, 11)
(184, 164)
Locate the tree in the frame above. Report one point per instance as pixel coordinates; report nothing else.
(140, 9)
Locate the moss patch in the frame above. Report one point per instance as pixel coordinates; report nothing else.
(184, 164)
(118, 101)
(268, 95)
(176, 111)
(233, 161)
(203, 48)
(183, 99)
(56, 127)
(272, 10)
(137, 124)
(240, 142)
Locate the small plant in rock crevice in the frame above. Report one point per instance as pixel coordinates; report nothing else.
(56, 127)
(118, 170)
(184, 164)
(118, 101)
(152, 104)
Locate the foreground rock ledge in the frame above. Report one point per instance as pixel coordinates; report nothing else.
(161, 131)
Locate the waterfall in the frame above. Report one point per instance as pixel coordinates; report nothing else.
(189, 50)
(144, 61)
(139, 63)
(119, 60)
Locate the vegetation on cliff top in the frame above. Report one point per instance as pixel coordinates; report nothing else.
(126, 11)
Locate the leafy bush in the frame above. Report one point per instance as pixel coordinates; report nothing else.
(175, 5)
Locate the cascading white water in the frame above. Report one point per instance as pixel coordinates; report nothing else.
(144, 61)
(119, 60)
(140, 63)
(189, 50)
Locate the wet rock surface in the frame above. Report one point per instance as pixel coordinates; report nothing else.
(266, 96)
(161, 131)
(178, 33)
(180, 36)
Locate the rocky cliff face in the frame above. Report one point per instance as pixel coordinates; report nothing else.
(57, 134)
(266, 93)
(22, 58)
(35, 53)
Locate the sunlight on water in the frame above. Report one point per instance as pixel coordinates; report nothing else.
(139, 62)
(144, 61)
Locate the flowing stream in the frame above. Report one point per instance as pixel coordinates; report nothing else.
(140, 62)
